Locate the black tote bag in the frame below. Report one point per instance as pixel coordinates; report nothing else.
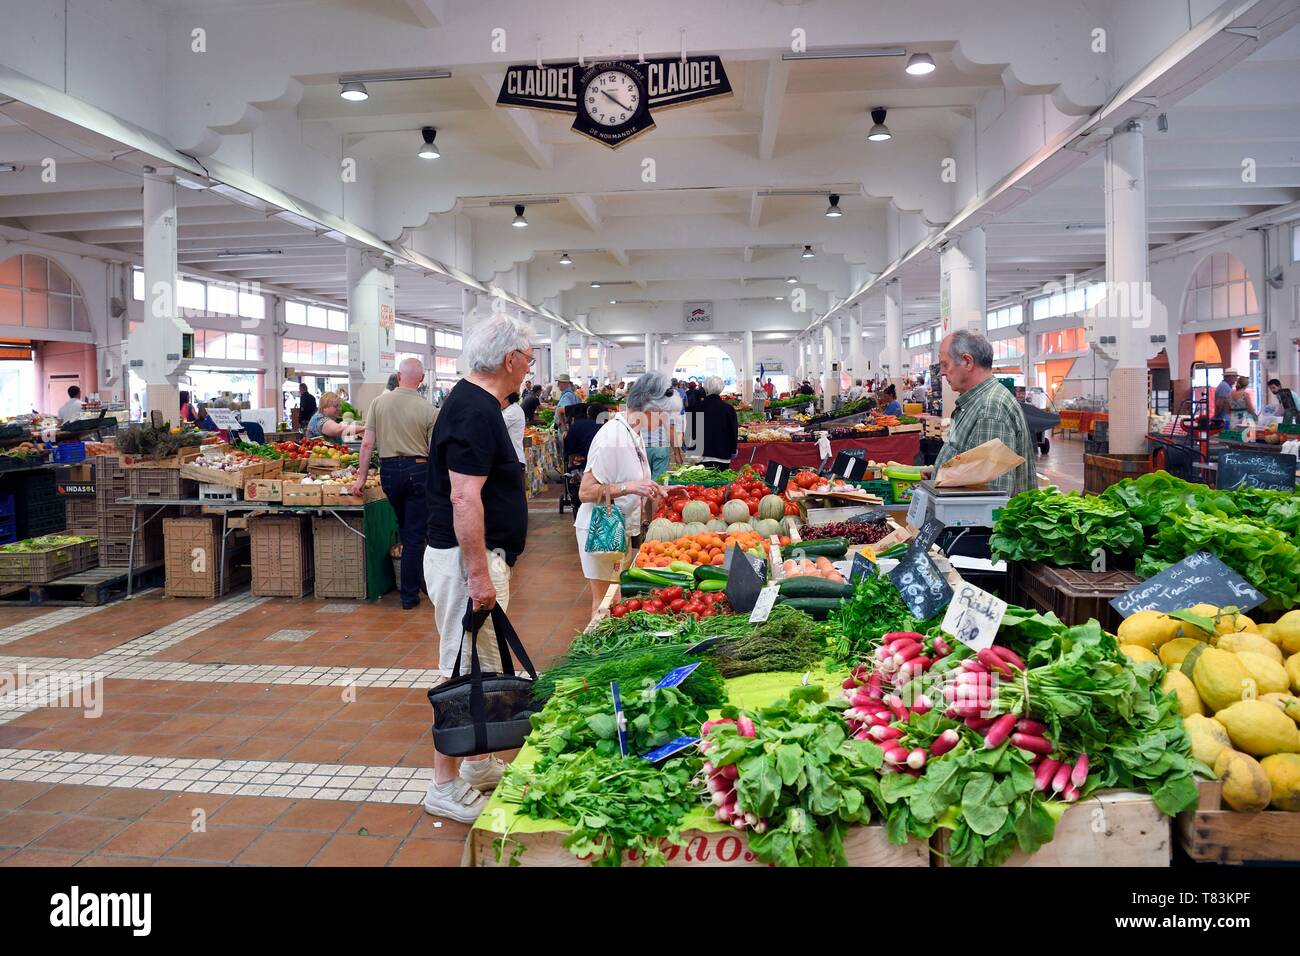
(478, 713)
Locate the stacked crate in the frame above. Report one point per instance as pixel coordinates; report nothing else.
(282, 555)
(193, 556)
(113, 524)
(339, 556)
(159, 483)
(38, 506)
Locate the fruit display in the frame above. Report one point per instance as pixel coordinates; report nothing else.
(1237, 686)
(706, 548)
(230, 461)
(856, 532)
(760, 435)
(303, 450)
(674, 601)
(344, 476)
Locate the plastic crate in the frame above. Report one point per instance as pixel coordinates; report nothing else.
(110, 480)
(82, 515)
(881, 489)
(1102, 471)
(218, 493)
(192, 554)
(38, 507)
(6, 506)
(41, 567)
(339, 557)
(282, 555)
(158, 483)
(8, 530)
(69, 452)
(1073, 596)
(117, 554)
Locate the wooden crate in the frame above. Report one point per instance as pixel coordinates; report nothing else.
(263, 489)
(1112, 828)
(863, 846)
(303, 496)
(215, 476)
(1213, 833)
(336, 494)
(182, 457)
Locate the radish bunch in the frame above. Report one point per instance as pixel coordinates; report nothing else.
(972, 688)
(721, 781)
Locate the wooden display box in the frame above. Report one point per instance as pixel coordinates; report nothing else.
(1112, 828)
(1214, 833)
(336, 494)
(863, 846)
(263, 489)
(216, 476)
(303, 496)
(904, 429)
(183, 457)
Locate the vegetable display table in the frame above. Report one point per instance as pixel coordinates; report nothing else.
(500, 833)
(793, 454)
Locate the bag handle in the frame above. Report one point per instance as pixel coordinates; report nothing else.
(507, 640)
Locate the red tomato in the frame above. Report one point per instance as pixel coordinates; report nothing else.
(753, 506)
(655, 606)
(670, 594)
(709, 613)
(633, 605)
(617, 610)
(678, 505)
(677, 604)
(709, 598)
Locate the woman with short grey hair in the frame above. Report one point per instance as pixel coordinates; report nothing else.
(618, 469)
(720, 426)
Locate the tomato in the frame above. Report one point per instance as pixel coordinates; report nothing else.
(710, 597)
(678, 505)
(633, 605)
(655, 606)
(753, 507)
(617, 610)
(670, 594)
(677, 604)
(709, 613)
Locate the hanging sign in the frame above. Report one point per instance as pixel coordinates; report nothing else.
(697, 316)
(611, 99)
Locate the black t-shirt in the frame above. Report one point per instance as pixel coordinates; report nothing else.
(529, 404)
(306, 408)
(470, 438)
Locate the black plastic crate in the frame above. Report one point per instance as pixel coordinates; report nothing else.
(6, 506)
(41, 516)
(8, 530)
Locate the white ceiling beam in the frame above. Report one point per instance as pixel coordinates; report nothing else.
(585, 206)
(431, 14)
(621, 256)
(521, 123)
(756, 200)
(773, 96)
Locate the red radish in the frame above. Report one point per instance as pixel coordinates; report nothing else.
(922, 705)
(1035, 727)
(861, 700)
(722, 815)
(896, 756)
(751, 819)
(980, 723)
(849, 683)
(738, 823)
(896, 635)
(970, 709)
(874, 685)
(941, 647)
(880, 720)
(729, 772)
(706, 746)
(760, 826)
(950, 692)
(1062, 778)
(861, 734)
(720, 799)
(896, 706)
(971, 666)
(708, 768)
(1000, 730)
(1070, 794)
(1079, 775)
(1008, 655)
(993, 662)
(906, 653)
(916, 759)
(745, 726)
(1032, 743)
(945, 742)
(885, 733)
(719, 784)
(1046, 771)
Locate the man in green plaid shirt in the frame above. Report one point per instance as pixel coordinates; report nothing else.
(985, 409)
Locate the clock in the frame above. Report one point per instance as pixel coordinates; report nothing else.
(611, 98)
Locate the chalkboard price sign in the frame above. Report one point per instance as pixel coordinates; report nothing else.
(922, 586)
(778, 476)
(862, 566)
(929, 533)
(1256, 469)
(849, 464)
(744, 581)
(1198, 579)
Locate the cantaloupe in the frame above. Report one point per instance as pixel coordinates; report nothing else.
(766, 526)
(716, 524)
(695, 511)
(661, 529)
(772, 506)
(695, 527)
(735, 510)
(738, 526)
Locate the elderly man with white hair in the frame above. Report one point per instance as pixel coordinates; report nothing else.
(721, 426)
(478, 524)
(400, 423)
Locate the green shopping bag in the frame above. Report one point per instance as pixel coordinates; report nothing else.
(608, 531)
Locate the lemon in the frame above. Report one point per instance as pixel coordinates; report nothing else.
(1246, 787)
(1287, 630)
(1189, 701)
(1249, 642)
(1174, 652)
(1259, 728)
(1269, 631)
(1286, 703)
(1208, 737)
(1138, 653)
(1148, 629)
(1194, 632)
(1220, 678)
(1283, 771)
(1293, 672)
(1270, 676)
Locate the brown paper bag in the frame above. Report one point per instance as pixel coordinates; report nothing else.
(979, 466)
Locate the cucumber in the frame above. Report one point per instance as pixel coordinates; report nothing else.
(810, 586)
(814, 606)
(832, 548)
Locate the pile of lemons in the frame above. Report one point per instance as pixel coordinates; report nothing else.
(1238, 685)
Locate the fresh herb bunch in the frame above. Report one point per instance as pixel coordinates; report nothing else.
(585, 721)
(789, 640)
(803, 774)
(611, 805)
(636, 629)
(155, 442)
(630, 667)
(1062, 529)
(876, 608)
(699, 474)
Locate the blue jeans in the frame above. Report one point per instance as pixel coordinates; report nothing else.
(404, 481)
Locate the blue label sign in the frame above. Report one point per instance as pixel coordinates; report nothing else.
(670, 748)
(677, 675)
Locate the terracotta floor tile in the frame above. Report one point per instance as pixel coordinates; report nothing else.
(65, 799)
(300, 728)
(428, 828)
(252, 811)
(238, 727)
(319, 751)
(146, 838)
(280, 848)
(114, 862)
(392, 731)
(360, 711)
(189, 724)
(168, 861)
(385, 819)
(345, 730)
(162, 745)
(264, 709)
(352, 850)
(264, 748)
(15, 736)
(78, 834)
(207, 705)
(217, 845)
(208, 747)
(125, 804)
(376, 753)
(429, 853)
(42, 858)
(180, 807)
(19, 828)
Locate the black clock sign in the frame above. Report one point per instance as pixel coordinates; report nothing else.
(612, 99)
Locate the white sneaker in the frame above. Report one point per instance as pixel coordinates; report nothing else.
(482, 775)
(456, 800)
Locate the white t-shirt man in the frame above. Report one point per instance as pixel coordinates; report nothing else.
(514, 416)
(70, 411)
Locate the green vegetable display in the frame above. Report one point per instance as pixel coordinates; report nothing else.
(584, 720)
(875, 608)
(700, 475)
(1062, 529)
(630, 666)
(788, 640)
(48, 542)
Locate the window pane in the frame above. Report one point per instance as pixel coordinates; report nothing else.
(1075, 301)
(1237, 299)
(35, 272)
(192, 295)
(216, 344)
(1017, 315)
(295, 313)
(1040, 309)
(11, 307)
(222, 300)
(36, 309)
(11, 271)
(59, 281)
(1220, 301)
(1220, 263)
(319, 351)
(338, 321)
(80, 321)
(316, 317)
(60, 312)
(1203, 305)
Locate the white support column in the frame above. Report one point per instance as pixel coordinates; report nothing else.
(830, 375)
(371, 345)
(857, 359)
(559, 352)
(1031, 347)
(894, 331)
(649, 351)
(747, 374)
(154, 348)
(273, 354)
(1128, 292)
(962, 303)
(838, 358)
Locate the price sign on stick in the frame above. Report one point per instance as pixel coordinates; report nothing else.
(763, 606)
(974, 617)
(778, 476)
(225, 419)
(929, 534)
(743, 583)
(620, 718)
(862, 566)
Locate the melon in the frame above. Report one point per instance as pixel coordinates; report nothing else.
(694, 527)
(738, 526)
(716, 524)
(767, 526)
(735, 510)
(696, 511)
(772, 506)
(661, 529)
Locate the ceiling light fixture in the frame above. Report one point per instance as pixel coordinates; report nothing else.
(779, 298)
(880, 132)
(833, 211)
(428, 150)
(519, 222)
(353, 92)
(565, 260)
(613, 301)
(808, 253)
(248, 253)
(791, 280)
(919, 64)
(595, 284)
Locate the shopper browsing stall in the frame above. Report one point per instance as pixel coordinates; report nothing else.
(721, 426)
(1241, 403)
(478, 525)
(567, 397)
(514, 418)
(70, 410)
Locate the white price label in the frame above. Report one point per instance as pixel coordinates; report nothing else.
(974, 617)
(778, 569)
(763, 607)
(224, 419)
(916, 511)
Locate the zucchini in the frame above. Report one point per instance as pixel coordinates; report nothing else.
(712, 584)
(832, 548)
(709, 572)
(814, 606)
(659, 577)
(810, 586)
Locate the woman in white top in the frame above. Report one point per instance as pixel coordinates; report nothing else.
(617, 465)
(513, 413)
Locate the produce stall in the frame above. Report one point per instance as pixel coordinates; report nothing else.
(901, 448)
(543, 454)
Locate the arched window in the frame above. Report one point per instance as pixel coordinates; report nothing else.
(1220, 288)
(35, 293)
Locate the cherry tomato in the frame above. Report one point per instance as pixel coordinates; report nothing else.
(632, 605)
(617, 610)
(710, 612)
(655, 606)
(709, 598)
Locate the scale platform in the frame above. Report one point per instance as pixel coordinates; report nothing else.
(955, 507)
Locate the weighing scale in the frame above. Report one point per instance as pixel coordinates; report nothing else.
(955, 507)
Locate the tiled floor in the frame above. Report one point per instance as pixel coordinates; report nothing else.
(254, 731)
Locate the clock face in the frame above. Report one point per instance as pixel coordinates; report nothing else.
(611, 98)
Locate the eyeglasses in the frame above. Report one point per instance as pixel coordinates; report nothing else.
(532, 359)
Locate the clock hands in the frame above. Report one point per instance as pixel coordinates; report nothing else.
(617, 101)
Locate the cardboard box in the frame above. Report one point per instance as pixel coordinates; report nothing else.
(263, 489)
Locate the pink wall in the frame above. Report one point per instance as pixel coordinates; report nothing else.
(64, 358)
